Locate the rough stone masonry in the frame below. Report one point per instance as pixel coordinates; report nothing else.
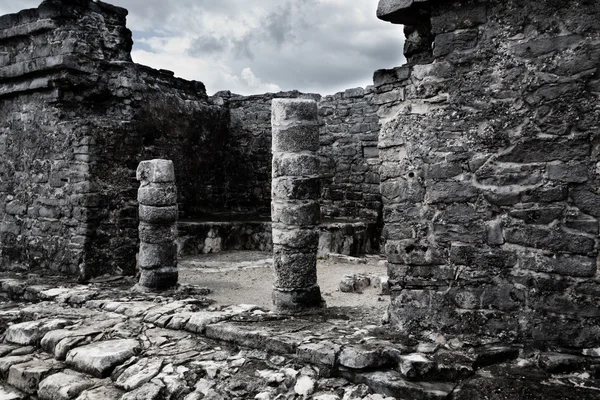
(157, 197)
(295, 207)
(489, 169)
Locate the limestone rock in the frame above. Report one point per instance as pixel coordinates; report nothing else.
(64, 386)
(358, 357)
(7, 362)
(8, 393)
(99, 359)
(26, 377)
(305, 386)
(414, 366)
(27, 333)
(354, 283)
(139, 373)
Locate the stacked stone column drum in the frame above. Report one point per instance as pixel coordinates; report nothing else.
(295, 208)
(157, 197)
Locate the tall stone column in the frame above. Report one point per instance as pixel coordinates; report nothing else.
(157, 198)
(295, 210)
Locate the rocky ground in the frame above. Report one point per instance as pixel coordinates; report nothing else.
(102, 340)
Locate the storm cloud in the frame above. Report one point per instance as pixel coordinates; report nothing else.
(320, 46)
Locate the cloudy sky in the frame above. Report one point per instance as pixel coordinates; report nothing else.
(257, 46)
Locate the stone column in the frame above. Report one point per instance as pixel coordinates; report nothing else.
(157, 197)
(295, 210)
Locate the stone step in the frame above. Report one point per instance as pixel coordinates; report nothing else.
(27, 376)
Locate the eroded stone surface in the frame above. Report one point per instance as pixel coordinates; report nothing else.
(64, 386)
(99, 359)
(27, 333)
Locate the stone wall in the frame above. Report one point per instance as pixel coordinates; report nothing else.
(349, 154)
(489, 152)
(77, 118)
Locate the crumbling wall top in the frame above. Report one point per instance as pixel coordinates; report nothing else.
(400, 11)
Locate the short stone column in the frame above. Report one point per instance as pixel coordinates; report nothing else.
(157, 198)
(295, 210)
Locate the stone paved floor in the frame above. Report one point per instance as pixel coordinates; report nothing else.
(62, 340)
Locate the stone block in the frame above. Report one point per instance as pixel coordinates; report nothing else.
(156, 171)
(26, 377)
(160, 278)
(160, 255)
(99, 359)
(285, 111)
(164, 195)
(139, 373)
(324, 353)
(446, 43)
(296, 213)
(401, 190)
(411, 252)
(587, 201)
(300, 239)
(534, 48)
(404, 12)
(534, 150)
(570, 172)
(158, 215)
(64, 386)
(294, 188)
(504, 297)
(459, 18)
(538, 215)
(362, 357)
(570, 265)
(294, 269)
(550, 239)
(452, 192)
(296, 138)
(31, 332)
(481, 258)
(295, 164)
(157, 234)
(415, 366)
(298, 300)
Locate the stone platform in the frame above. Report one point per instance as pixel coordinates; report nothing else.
(103, 341)
(224, 232)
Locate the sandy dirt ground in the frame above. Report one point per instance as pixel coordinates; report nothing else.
(246, 277)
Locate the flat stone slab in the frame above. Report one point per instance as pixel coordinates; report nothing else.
(139, 373)
(27, 333)
(99, 359)
(7, 362)
(27, 376)
(64, 386)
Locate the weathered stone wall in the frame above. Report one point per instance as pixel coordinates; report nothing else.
(77, 117)
(349, 155)
(246, 183)
(489, 172)
(45, 196)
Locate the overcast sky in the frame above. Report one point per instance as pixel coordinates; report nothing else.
(257, 46)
